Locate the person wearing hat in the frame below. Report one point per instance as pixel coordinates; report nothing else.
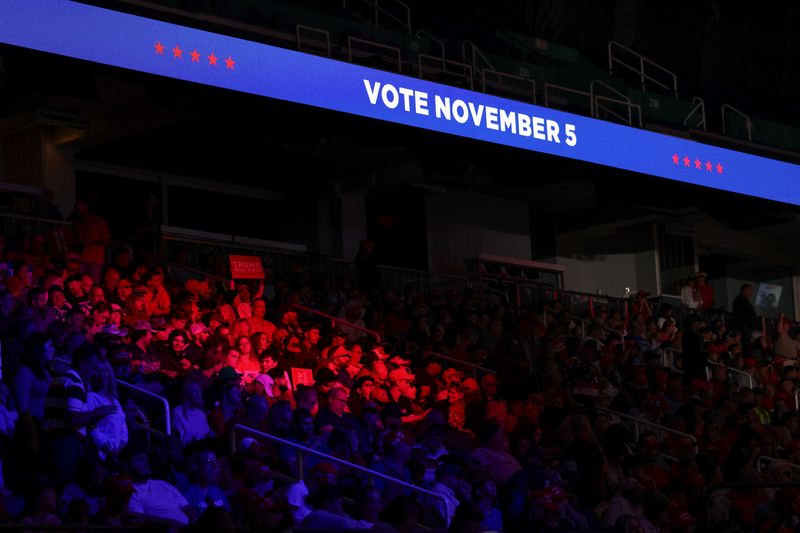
(338, 339)
(404, 394)
(360, 394)
(339, 363)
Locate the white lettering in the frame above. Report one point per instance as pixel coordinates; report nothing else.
(390, 96)
(569, 131)
(442, 106)
(372, 91)
(507, 121)
(552, 131)
(460, 111)
(477, 113)
(406, 98)
(421, 103)
(538, 128)
(524, 125)
(491, 118)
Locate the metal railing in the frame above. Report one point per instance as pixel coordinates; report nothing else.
(395, 51)
(764, 460)
(595, 88)
(325, 38)
(470, 50)
(750, 381)
(397, 277)
(441, 64)
(378, 10)
(608, 111)
(422, 32)
(640, 421)
(462, 362)
(144, 392)
(502, 75)
(748, 124)
(699, 109)
(339, 321)
(640, 69)
(300, 449)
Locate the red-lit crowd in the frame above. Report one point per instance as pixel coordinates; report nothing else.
(531, 421)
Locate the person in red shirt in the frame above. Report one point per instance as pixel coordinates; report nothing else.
(641, 305)
(706, 291)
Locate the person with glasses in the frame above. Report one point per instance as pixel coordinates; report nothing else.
(204, 492)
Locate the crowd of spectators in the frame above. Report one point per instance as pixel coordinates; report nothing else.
(523, 427)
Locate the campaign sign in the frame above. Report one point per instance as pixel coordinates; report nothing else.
(246, 267)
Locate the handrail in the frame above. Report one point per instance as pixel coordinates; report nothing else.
(424, 272)
(476, 53)
(338, 320)
(36, 219)
(769, 459)
(298, 27)
(145, 392)
(378, 9)
(433, 38)
(748, 124)
(642, 60)
(501, 75)
(329, 458)
(636, 421)
(351, 40)
(197, 271)
(498, 291)
(733, 371)
(700, 108)
(608, 87)
(630, 106)
(460, 362)
(467, 74)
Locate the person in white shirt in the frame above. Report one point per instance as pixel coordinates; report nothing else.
(690, 296)
(449, 486)
(189, 419)
(110, 434)
(153, 500)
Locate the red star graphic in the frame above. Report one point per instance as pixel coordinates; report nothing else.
(686, 161)
(719, 168)
(195, 56)
(229, 63)
(212, 59)
(698, 164)
(709, 166)
(159, 48)
(675, 159)
(177, 52)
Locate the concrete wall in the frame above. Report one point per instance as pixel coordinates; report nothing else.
(461, 225)
(610, 274)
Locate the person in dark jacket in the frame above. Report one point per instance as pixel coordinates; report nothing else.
(744, 314)
(695, 356)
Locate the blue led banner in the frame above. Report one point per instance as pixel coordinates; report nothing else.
(112, 38)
